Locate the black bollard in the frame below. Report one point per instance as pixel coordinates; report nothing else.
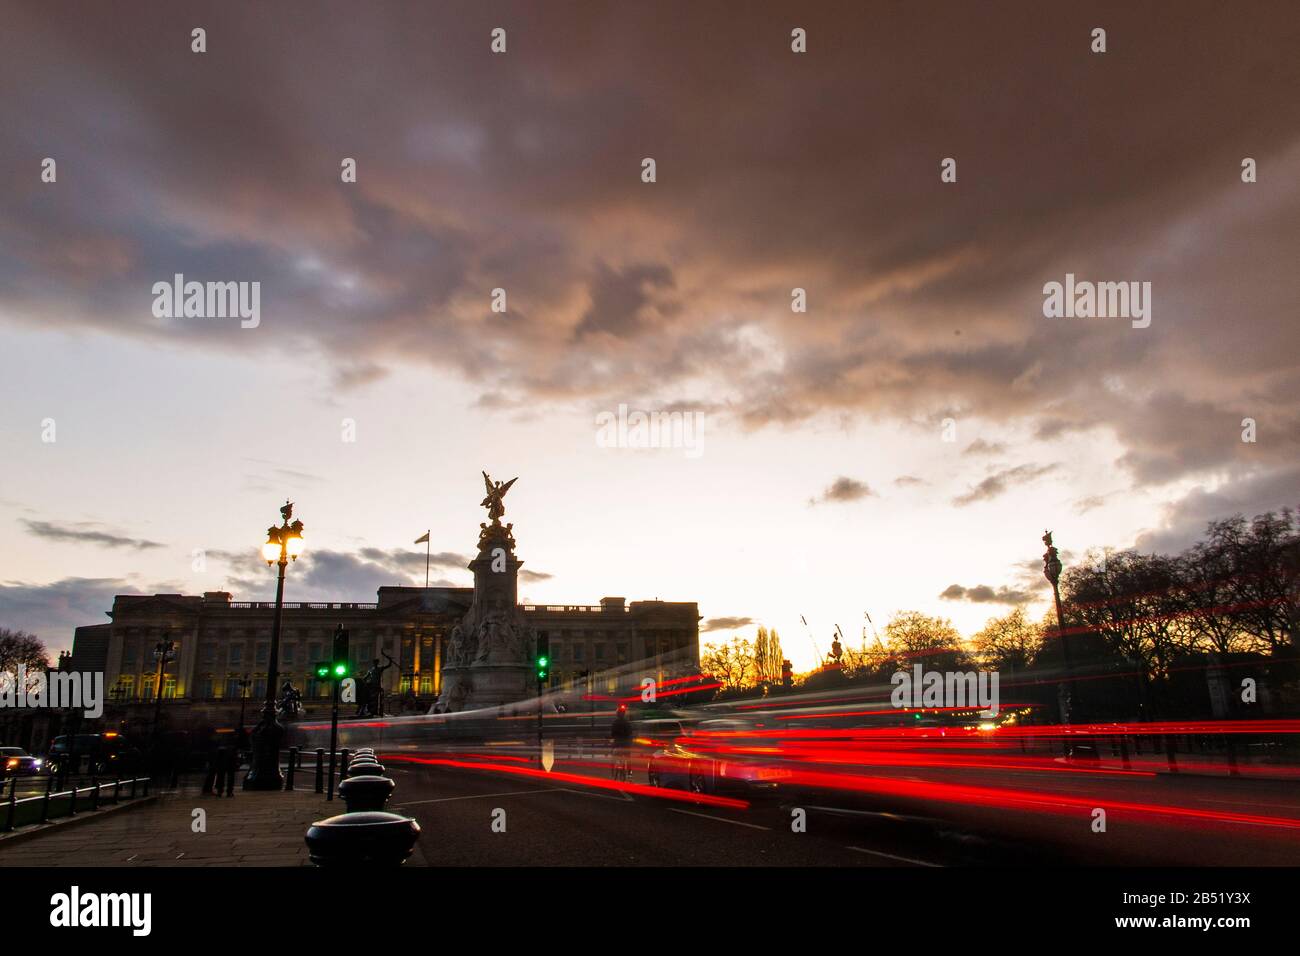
(366, 793)
(320, 769)
(45, 804)
(293, 765)
(373, 839)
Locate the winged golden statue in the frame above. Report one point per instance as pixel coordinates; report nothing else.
(496, 491)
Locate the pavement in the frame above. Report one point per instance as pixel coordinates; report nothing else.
(248, 829)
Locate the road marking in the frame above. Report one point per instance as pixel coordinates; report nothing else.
(846, 812)
(603, 796)
(481, 796)
(890, 856)
(709, 816)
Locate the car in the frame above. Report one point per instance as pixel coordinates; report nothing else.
(103, 754)
(704, 760)
(16, 762)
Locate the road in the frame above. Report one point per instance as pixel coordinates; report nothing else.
(573, 825)
(574, 816)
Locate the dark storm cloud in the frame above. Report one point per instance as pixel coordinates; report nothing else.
(843, 489)
(53, 611)
(775, 170)
(327, 575)
(85, 532)
(984, 594)
(1185, 522)
(725, 624)
(412, 561)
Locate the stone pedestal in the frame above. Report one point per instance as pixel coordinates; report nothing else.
(489, 655)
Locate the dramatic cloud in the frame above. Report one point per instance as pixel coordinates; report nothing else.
(53, 611)
(522, 172)
(984, 594)
(981, 447)
(84, 532)
(725, 624)
(1002, 481)
(1185, 523)
(841, 490)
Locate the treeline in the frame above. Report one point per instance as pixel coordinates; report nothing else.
(742, 666)
(1210, 632)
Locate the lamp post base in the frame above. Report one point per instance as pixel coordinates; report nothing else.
(264, 773)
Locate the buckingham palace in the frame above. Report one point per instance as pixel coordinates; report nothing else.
(221, 646)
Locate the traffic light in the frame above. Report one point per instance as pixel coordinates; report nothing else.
(322, 670)
(787, 674)
(340, 664)
(543, 658)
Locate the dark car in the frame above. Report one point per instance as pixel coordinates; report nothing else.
(103, 754)
(16, 762)
(712, 758)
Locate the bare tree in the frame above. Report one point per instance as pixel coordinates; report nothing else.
(1008, 643)
(914, 637)
(20, 649)
(731, 664)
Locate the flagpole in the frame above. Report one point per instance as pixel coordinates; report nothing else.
(428, 544)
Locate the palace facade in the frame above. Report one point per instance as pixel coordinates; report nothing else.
(222, 647)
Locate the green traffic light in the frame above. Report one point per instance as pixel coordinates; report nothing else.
(340, 669)
(542, 661)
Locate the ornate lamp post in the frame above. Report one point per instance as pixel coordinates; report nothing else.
(283, 544)
(163, 652)
(1052, 571)
(244, 683)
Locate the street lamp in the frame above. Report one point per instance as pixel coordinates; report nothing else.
(163, 652)
(283, 544)
(1052, 571)
(244, 683)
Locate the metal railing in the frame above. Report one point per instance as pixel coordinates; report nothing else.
(40, 808)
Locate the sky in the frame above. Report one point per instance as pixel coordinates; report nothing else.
(900, 444)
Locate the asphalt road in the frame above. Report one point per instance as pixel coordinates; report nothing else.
(573, 825)
(565, 821)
